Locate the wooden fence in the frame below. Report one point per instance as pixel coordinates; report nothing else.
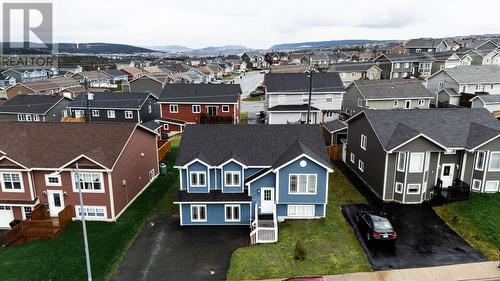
(164, 148)
(335, 152)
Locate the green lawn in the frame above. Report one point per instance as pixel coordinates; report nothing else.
(63, 258)
(244, 118)
(330, 243)
(257, 98)
(477, 220)
(166, 204)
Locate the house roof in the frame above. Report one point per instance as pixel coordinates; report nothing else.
(292, 107)
(34, 104)
(478, 43)
(488, 99)
(114, 72)
(132, 70)
(53, 144)
(299, 82)
(223, 93)
(50, 84)
(473, 74)
(450, 92)
(212, 196)
(112, 100)
(443, 56)
(406, 57)
(152, 125)
(449, 127)
(423, 43)
(335, 125)
(351, 66)
(263, 145)
(391, 89)
(289, 68)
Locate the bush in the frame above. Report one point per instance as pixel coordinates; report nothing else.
(300, 251)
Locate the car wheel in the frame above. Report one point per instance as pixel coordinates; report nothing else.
(368, 237)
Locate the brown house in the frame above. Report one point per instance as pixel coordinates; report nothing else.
(117, 161)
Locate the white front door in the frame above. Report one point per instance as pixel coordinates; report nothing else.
(56, 202)
(447, 173)
(6, 216)
(267, 200)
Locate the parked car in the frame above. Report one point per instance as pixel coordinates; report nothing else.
(375, 227)
(256, 93)
(312, 278)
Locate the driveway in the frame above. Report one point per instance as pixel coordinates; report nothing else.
(423, 240)
(165, 251)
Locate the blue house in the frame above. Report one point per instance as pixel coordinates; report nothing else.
(252, 175)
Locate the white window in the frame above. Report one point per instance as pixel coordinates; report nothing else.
(79, 113)
(399, 188)
(401, 161)
(494, 161)
(52, 180)
(413, 188)
(92, 211)
(305, 98)
(364, 139)
(302, 184)
(232, 213)
(36, 117)
(301, 210)
(480, 158)
(395, 75)
(151, 175)
(196, 108)
(396, 103)
(361, 103)
(361, 166)
(150, 109)
(441, 86)
(11, 182)
(28, 118)
(421, 102)
(476, 185)
(89, 182)
(397, 65)
(111, 113)
(197, 179)
(232, 178)
(491, 186)
(174, 108)
(407, 65)
(129, 114)
(198, 213)
(407, 104)
(165, 127)
(353, 157)
(225, 108)
(416, 162)
(27, 212)
(281, 99)
(329, 114)
(95, 113)
(329, 98)
(418, 50)
(64, 113)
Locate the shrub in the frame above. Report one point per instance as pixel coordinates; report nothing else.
(300, 251)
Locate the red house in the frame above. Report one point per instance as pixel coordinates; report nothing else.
(183, 104)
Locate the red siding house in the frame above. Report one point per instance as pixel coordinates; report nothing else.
(117, 161)
(183, 104)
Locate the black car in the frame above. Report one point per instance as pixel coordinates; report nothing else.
(375, 227)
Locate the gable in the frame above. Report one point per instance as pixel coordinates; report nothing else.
(8, 164)
(420, 144)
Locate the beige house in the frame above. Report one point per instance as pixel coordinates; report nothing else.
(355, 71)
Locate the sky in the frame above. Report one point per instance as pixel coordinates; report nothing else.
(261, 24)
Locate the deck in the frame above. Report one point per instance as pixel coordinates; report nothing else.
(458, 191)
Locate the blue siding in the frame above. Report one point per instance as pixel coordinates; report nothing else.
(212, 179)
(197, 167)
(282, 209)
(232, 166)
(184, 182)
(215, 215)
(310, 168)
(265, 181)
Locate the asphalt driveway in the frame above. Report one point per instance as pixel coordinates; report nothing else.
(165, 251)
(424, 239)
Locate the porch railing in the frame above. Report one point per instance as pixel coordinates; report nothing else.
(264, 231)
(459, 190)
(215, 119)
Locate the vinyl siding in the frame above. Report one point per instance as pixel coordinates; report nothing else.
(215, 214)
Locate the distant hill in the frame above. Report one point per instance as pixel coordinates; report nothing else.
(317, 44)
(83, 48)
(218, 51)
(170, 48)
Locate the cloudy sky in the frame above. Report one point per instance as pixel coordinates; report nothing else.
(262, 23)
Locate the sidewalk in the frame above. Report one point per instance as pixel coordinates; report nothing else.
(484, 271)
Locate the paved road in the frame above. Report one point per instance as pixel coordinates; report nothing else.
(252, 107)
(249, 82)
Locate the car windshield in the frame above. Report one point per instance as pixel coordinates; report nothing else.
(380, 223)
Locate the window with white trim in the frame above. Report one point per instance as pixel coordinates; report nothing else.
(353, 157)
(150, 109)
(165, 127)
(27, 212)
(232, 213)
(28, 118)
(329, 98)
(12, 182)
(36, 118)
(197, 179)
(151, 175)
(361, 102)
(129, 114)
(476, 185)
(441, 85)
(329, 114)
(174, 108)
(110, 113)
(64, 113)
(88, 182)
(416, 162)
(399, 187)
(395, 75)
(79, 113)
(413, 188)
(361, 166)
(494, 165)
(52, 180)
(196, 108)
(225, 108)
(401, 161)
(397, 65)
(95, 113)
(407, 104)
(232, 178)
(421, 102)
(480, 158)
(491, 186)
(396, 103)
(301, 210)
(91, 211)
(302, 184)
(364, 140)
(198, 213)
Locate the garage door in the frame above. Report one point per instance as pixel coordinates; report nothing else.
(6, 216)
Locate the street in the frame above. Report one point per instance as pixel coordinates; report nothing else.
(249, 82)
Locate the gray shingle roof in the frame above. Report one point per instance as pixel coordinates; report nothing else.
(112, 100)
(392, 89)
(221, 93)
(473, 74)
(450, 127)
(253, 145)
(114, 72)
(351, 67)
(423, 43)
(299, 82)
(488, 99)
(35, 104)
(335, 125)
(408, 57)
(152, 125)
(292, 107)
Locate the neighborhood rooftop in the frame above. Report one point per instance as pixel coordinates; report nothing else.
(391, 89)
(473, 74)
(112, 100)
(299, 82)
(35, 104)
(352, 66)
(335, 125)
(224, 93)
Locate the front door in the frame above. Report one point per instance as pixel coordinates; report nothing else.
(212, 110)
(267, 200)
(56, 202)
(447, 173)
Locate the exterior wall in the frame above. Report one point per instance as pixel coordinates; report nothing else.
(18, 90)
(318, 99)
(276, 117)
(386, 66)
(215, 214)
(146, 85)
(433, 82)
(487, 174)
(268, 180)
(172, 129)
(55, 114)
(389, 104)
(231, 166)
(145, 115)
(350, 101)
(24, 195)
(103, 115)
(185, 112)
(138, 158)
(197, 167)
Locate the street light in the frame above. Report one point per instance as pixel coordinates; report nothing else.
(310, 75)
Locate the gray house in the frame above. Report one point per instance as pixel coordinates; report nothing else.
(37, 108)
(396, 66)
(406, 155)
(385, 94)
(334, 131)
(420, 45)
(116, 107)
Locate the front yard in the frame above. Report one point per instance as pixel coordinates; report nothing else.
(330, 244)
(477, 220)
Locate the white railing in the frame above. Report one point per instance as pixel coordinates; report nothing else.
(265, 232)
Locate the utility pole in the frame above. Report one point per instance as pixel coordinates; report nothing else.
(310, 94)
(84, 226)
(86, 85)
